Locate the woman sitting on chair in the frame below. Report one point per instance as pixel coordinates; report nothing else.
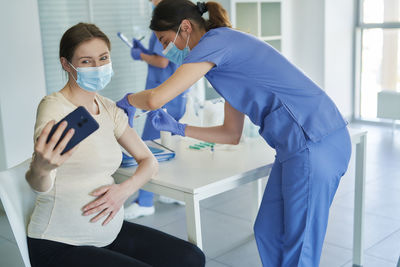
(78, 216)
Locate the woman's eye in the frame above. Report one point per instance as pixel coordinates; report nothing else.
(104, 58)
(85, 61)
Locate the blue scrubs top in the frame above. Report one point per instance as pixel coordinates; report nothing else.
(156, 76)
(260, 82)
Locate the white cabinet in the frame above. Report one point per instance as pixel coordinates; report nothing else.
(261, 18)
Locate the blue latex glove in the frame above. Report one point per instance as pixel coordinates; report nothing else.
(137, 44)
(162, 121)
(137, 49)
(135, 53)
(128, 108)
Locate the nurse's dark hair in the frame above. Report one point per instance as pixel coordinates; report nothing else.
(77, 35)
(169, 14)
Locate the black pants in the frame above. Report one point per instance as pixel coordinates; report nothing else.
(135, 245)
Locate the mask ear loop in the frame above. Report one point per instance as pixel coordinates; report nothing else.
(177, 33)
(73, 74)
(176, 36)
(72, 66)
(187, 41)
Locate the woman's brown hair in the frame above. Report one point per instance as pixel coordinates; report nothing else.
(78, 34)
(169, 14)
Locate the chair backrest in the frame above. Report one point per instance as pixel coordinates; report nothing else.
(18, 200)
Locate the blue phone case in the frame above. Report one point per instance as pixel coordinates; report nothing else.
(83, 123)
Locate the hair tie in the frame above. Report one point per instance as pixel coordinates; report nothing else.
(202, 7)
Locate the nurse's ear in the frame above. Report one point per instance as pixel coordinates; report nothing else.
(186, 26)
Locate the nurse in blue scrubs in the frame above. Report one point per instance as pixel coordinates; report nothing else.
(295, 116)
(159, 70)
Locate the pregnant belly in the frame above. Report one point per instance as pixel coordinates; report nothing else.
(61, 218)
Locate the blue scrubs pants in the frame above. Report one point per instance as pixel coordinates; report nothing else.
(291, 223)
(145, 198)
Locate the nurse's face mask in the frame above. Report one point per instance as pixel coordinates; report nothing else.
(93, 79)
(173, 53)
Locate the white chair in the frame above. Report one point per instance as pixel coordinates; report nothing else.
(18, 200)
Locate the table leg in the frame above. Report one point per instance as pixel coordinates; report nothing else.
(257, 187)
(359, 203)
(193, 220)
(259, 192)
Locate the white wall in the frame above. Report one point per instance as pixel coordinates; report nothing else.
(338, 67)
(303, 36)
(22, 79)
(318, 38)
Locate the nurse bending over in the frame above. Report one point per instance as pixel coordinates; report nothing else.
(295, 116)
(78, 219)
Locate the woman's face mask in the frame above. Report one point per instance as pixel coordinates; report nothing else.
(93, 79)
(173, 53)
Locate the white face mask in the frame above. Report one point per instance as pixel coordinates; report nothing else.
(173, 53)
(93, 79)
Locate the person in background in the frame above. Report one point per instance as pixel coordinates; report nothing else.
(159, 70)
(78, 219)
(296, 117)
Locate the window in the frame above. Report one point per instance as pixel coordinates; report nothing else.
(378, 57)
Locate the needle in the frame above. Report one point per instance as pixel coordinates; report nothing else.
(141, 114)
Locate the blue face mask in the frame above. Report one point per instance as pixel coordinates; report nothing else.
(173, 53)
(93, 79)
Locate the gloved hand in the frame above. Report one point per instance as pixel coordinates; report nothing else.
(137, 44)
(135, 53)
(137, 49)
(128, 108)
(162, 121)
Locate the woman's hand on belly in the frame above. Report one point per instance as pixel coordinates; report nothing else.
(109, 201)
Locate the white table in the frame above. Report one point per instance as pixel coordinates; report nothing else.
(196, 175)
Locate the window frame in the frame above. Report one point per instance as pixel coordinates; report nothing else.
(360, 26)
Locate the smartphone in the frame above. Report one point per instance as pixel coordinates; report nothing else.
(124, 39)
(82, 122)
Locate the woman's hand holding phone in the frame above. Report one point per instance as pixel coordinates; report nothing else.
(48, 155)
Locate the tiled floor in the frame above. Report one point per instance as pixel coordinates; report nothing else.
(227, 219)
